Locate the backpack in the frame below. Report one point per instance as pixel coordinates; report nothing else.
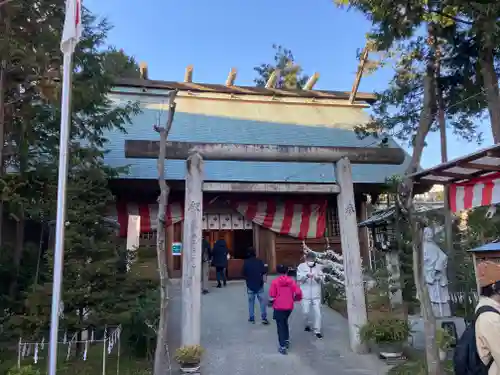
(466, 360)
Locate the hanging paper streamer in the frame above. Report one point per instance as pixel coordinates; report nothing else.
(110, 343)
(92, 336)
(85, 350)
(28, 350)
(69, 351)
(42, 344)
(113, 338)
(65, 338)
(35, 355)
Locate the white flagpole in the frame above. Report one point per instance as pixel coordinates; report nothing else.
(61, 209)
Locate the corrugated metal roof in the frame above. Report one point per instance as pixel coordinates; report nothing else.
(386, 216)
(379, 217)
(241, 90)
(201, 128)
(492, 246)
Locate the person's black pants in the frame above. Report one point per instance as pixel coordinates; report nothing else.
(281, 318)
(220, 273)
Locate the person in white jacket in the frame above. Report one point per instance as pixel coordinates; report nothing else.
(310, 277)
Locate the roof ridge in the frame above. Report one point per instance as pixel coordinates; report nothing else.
(242, 90)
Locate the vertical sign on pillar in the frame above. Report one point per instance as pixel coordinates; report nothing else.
(133, 233)
(354, 287)
(191, 254)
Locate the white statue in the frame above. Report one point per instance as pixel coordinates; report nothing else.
(436, 280)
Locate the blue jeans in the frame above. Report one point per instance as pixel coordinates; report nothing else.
(262, 303)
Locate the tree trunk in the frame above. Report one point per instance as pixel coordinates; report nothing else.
(431, 348)
(448, 231)
(161, 354)
(18, 253)
(427, 116)
(3, 68)
(21, 220)
(490, 77)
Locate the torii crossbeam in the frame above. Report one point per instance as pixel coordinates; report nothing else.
(195, 153)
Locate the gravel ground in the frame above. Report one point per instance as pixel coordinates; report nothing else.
(236, 347)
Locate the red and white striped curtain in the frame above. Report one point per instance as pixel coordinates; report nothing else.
(483, 191)
(149, 213)
(292, 218)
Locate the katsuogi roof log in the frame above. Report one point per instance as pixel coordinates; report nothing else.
(267, 153)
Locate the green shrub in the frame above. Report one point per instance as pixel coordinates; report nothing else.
(417, 367)
(143, 372)
(386, 330)
(24, 370)
(189, 355)
(443, 339)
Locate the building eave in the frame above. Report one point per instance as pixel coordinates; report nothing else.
(242, 90)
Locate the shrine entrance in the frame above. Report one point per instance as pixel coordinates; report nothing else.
(238, 242)
(196, 153)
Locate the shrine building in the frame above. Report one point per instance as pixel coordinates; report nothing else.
(272, 206)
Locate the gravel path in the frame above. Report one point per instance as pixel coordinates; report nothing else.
(236, 347)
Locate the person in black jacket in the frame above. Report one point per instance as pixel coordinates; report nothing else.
(206, 257)
(220, 254)
(254, 271)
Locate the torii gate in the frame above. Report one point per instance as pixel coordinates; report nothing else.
(195, 153)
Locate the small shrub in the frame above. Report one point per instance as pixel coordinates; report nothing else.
(24, 370)
(386, 331)
(143, 372)
(189, 355)
(333, 292)
(443, 339)
(418, 367)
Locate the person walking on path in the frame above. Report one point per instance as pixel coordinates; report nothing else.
(283, 293)
(253, 271)
(220, 254)
(310, 277)
(206, 257)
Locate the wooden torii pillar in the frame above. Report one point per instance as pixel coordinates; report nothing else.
(195, 153)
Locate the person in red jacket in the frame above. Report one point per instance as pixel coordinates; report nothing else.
(283, 293)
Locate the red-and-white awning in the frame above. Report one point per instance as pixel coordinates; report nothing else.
(292, 218)
(483, 191)
(148, 214)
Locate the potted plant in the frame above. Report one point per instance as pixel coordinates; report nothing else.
(444, 341)
(189, 358)
(387, 336)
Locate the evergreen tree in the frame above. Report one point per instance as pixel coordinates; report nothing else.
(94, 276)
(291, 76)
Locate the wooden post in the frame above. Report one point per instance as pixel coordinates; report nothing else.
(256, 239)
(133, 237)
(170, 257)
(474, 260)
(272, 251)
(354, 287)
(363, 233)
(191, 252)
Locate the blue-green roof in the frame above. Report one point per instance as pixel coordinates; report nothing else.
(202, 128)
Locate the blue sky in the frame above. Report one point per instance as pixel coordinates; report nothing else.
(219, 34)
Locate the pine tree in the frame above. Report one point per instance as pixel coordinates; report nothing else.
(94, 276)
(291, 75)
